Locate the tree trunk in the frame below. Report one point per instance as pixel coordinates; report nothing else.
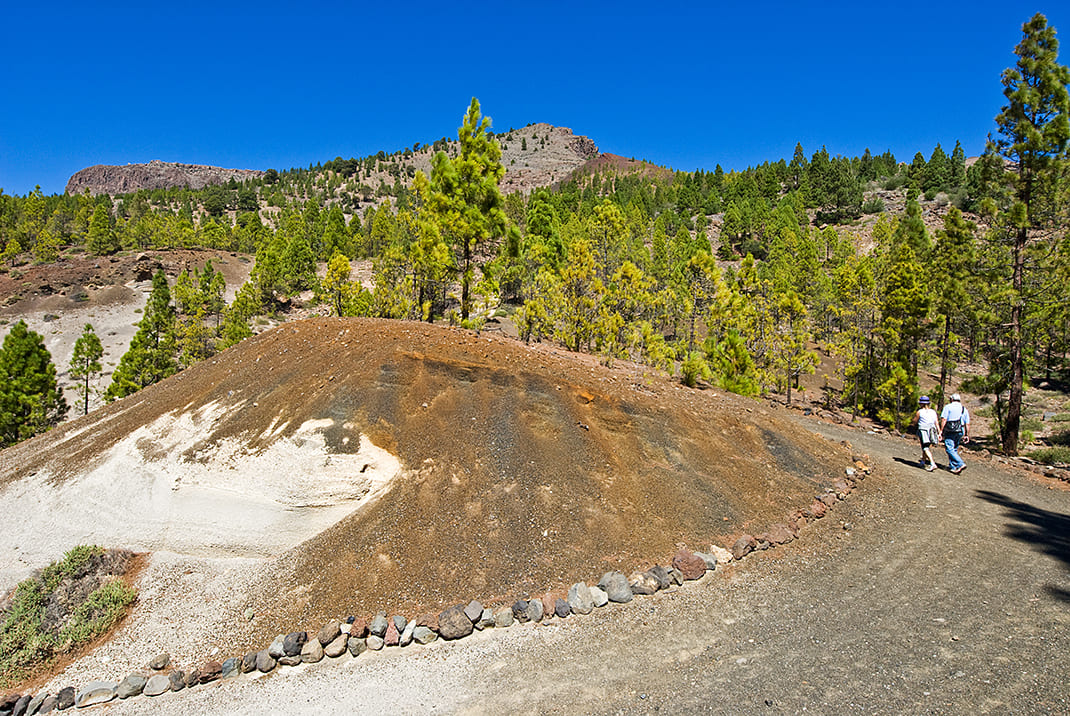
(1014, 399)
(943, 358)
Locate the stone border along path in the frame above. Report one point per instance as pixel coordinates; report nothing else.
(358, 635)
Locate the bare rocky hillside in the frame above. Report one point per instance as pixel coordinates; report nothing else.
(105, 179)
(352, 465)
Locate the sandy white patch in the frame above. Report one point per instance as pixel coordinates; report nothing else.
(169, 486)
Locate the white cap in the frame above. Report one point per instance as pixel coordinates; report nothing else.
(956, 398)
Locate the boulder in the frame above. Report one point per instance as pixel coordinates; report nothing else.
(193, 678)
(375, 643)
(43, 703)
(548, 603)
(21, 705)
(210, 672)
(132, 685)
(392, 636)
(294, 642)
(615, 585)
(781, 533)
(265, 662)
(580, 600)
(662, 575)
(8, 701)
(290, 660)
(177, 679)
(359, 628)
(378, 625)
(423, 635)
(743, 546)
(691, 566)
(406, 635)
(473, 611)
(503, 617)
(535, 610)
(329, 632)
(248, 662)
(708, 559)
(453, 623)
(312, 651)
(428, 620)
(520, 610)
(561, 608)
(65, 698)
(399, 622)
(337, 646)
(156, 685)
(486, 619)
(230, 667)
(642, 583)
(160, 662)
(599, 597)
(276, 648)
(95, 692)
(723, 555)
(356, 645)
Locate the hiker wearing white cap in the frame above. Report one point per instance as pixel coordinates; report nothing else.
(955, 430)
(925, 418)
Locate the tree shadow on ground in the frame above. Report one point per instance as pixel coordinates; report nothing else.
(1046, 531)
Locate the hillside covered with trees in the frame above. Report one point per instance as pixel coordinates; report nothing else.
(733, 278)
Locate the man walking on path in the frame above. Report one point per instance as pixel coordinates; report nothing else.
(925, 418)
(955, 430)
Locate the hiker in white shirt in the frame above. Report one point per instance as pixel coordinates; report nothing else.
(925, 418)
(955, 429)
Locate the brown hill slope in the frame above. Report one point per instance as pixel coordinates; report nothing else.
(518, 469)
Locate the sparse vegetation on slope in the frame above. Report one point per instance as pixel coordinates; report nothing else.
(66, 605)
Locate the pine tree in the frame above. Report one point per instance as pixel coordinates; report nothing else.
(953, 259)
(101, 238)
(85, 362)
(30, 399)
(463, 198)
(1034, 128)
(151, 356)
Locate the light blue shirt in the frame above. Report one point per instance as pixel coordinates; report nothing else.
(956, 411)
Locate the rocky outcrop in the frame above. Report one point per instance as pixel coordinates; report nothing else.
(107, 179)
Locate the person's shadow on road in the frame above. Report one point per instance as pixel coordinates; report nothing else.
(1045, 530)
(911, 463)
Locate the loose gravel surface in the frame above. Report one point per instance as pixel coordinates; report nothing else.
(922, 593)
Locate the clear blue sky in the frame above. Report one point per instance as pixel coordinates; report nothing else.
(688, 85)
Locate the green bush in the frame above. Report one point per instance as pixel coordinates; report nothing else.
(27, 643)
(1050, 456)
(693, 369)
(873, 205)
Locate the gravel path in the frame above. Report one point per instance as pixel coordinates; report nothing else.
(923, 593)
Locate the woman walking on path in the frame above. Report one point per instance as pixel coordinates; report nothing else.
(955, 429)
(925, 418)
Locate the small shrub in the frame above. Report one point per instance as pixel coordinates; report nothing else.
(1033, 425)
(873, 205)
(1051, 456)
(693, 369)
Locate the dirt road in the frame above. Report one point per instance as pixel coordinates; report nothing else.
(923, 593)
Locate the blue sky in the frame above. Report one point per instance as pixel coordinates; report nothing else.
(688, 85)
